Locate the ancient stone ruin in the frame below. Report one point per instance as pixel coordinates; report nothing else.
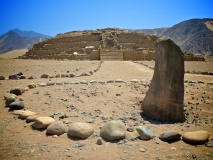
(164, 99)
(104, 44)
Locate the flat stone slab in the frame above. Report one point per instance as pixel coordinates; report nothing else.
(196, 137)
(32, 118)
(169, 136)
(25, 114)
(43, 122)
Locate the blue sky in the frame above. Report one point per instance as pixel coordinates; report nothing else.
(58, 16)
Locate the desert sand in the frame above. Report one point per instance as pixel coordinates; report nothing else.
(13, 54)
(107, 101)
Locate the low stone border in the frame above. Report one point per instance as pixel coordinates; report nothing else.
(68, 75)
(112, 130)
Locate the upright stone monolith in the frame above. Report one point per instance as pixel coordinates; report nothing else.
(164, 99)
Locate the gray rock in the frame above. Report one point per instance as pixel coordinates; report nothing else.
(80, 130)
(113, 130)
(170, 136)
(22, 77)
(10, 100)
(145, 133)
(42, 84)
(17, 105)
(13, 77)
(17, 91)
(56, 128)
(99, 141)
(44, 76)
(2, 78)
(167, 84)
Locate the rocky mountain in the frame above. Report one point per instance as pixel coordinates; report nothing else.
(17, 39)
(194, 35)
(30, 34)
(156, 31)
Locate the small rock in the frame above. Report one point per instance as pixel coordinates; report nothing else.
(119, 81)
(55, 136)
(80, 130)
(13, 77)
(209, 144)
(43, 122)
(17, 105)
(142, 149)
(44, 76)
(74, 82)
(22, 77)
(75, 95)
(59, 83)
(134, 81)
(196, 137)
(42, 84)
(31, 86)
(145, 133)
(51, 76)
(113, 130)
(83, 82)
(130, 129)
(50, 83)
(31, 77)
(17, 91)
(170, 136)
(2, 78)
(93, 81)
(57, 76)
(99, 141)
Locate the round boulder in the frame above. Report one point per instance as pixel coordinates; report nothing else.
(169, 136)
(80, 130)
(113, 130)
(56, 128)
(43, 122)
(16, 105)
(17, 91)
(145, 133)
(10, 100)
(196, 137)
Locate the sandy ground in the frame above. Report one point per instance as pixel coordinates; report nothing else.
(108, 101)
(13, 54)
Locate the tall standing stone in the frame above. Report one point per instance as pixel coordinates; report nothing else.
(164, 99)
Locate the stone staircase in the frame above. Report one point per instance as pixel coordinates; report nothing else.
(111, 55)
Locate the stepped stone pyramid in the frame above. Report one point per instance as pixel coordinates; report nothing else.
(101, 44)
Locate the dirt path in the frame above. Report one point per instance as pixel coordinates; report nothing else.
(125, 70)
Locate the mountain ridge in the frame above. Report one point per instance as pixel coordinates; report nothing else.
(193, 35)
(17, 39)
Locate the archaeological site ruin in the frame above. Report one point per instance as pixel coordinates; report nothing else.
(105, 44)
